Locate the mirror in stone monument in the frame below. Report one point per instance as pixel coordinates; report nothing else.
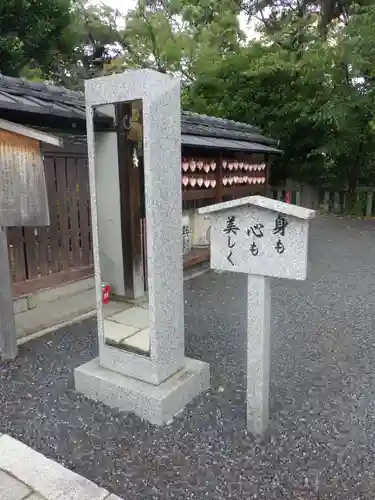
(119, 177)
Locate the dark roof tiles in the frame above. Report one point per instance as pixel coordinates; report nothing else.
(217, 122)
(23, 96)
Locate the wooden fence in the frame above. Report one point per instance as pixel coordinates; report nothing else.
(329, 201)
(47, 256)
(65, 245)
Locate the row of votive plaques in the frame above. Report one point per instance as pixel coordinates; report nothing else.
(227, 181)
(207, 166)
(243, 180)
(198, 165)
(200, 182)
(240, 165)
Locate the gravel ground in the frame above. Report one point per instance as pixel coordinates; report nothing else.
(321, 439)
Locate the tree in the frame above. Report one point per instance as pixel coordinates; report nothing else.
(34, 34)
(300, 88)
(96, 47)
(298, 82)
(181, 36)
(178, 36)
(308, 80)
(270, 13)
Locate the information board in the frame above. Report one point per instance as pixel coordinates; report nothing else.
(252, 240)
(23, 192)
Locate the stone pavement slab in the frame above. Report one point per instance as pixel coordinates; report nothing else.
(11, 488)
(49, 314)
(43, 477)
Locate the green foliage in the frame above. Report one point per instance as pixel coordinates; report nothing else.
(356, 204)
(33, 34)
(308, 79)
(179, 36)
(302, 88)
(182, 36)
(93, 26)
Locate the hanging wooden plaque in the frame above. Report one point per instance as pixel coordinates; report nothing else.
(23, 192)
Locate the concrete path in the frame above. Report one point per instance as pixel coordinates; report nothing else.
(321, 441)
(63, 306)
(55, 308)
(27, 475)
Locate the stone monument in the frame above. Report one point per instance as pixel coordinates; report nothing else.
(262, 238)
(133, 131)
(23, 202)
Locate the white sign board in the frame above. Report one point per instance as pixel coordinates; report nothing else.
(262, 238)
(257, 235)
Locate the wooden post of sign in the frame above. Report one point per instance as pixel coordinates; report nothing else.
(8, 339)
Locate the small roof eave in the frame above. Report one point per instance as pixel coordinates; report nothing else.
(224, 143)
(260, 202)
(31, 133)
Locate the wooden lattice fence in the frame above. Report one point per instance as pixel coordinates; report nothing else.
(65, 245)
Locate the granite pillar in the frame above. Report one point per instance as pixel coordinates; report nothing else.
(162, 382)
(258, 352)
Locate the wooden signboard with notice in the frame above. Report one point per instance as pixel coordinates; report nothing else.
(23, 202)
(23, 192)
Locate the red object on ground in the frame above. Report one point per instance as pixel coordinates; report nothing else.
(106, 290)
(288, 197)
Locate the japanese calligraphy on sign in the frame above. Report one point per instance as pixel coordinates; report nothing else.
(256, 240)
(23, 192)
(255, 232)
(231, 230)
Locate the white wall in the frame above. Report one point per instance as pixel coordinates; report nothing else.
(109, 211)
(199, 225)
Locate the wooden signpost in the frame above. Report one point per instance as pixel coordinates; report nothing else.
(23, 202)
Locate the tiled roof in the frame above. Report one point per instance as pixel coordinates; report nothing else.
(26, 98)
(195, 124)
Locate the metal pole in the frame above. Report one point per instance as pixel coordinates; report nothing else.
(8, 339)
(258, 353)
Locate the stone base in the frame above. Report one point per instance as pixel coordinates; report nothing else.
(156, 404)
